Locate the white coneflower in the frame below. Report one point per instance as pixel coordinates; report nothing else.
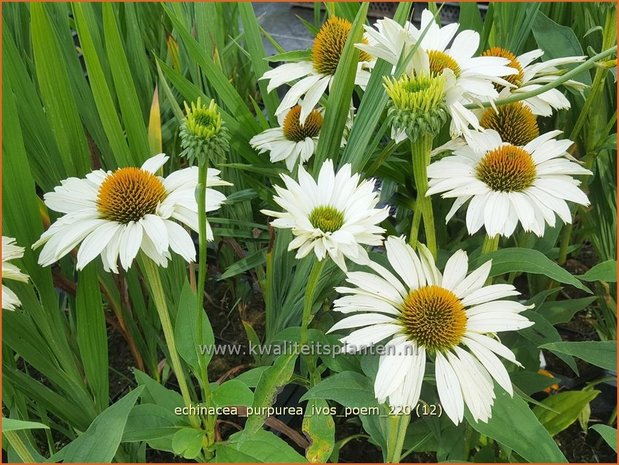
(473, 77)
(117, 214)
(507, 184)
(532, 76)
(391, 41)
(334, 216)
(317, 75)
(291, 142)
(11, 251)
(450, 318)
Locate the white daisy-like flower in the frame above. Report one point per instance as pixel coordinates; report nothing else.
(314, 77)
(390, 41)
(11, 251)
(532, 76)
(473, 77)
(450, 318)
(293, 142)
(507, 184)
(117, 214)
(334, 216)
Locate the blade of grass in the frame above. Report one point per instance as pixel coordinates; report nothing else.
(340, 95)
(125, 88)
(101, 90)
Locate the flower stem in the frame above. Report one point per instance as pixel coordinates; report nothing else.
(310, 290)
(154, 280)
(420, 152)
(201, 284)
(396, 432)
(491, 244)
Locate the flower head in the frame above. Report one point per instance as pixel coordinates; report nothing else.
(334, 216)
(203, 134)
(507, 184)
(292, 140)
(442, 50)
(11, 251)
(515, 123)
(450, 318)
(118, 213)
(417, 104)
(315, 76)
(532, 76)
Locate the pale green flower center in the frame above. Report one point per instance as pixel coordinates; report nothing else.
(326, 218)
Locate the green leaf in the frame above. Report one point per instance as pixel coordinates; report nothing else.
(61, 106)
(562, 311)
(100, 441)
(92, 334)
(151, 421)
(347, 388)
(258, 447)
(251, 377)
(186, 330)
(187, 442)
(470, 17)
(605, 271)
(270, 382)
(516, 259)
(557, 41)
(11, 424)
(543, 332)
(126, 92)
(250, 262)
(372, 106)
(514, 426)
(253, 41)
(531, 382)
(220, 82)
(319, 427)
(155, 393)
(233, 393)
(567, 406)
(608, 433)
(100, 88)
(291, 56)
(340, 95)
(599, 353)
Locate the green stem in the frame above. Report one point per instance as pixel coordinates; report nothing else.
(412, 238)
(154, 280)
(396, 432)
(590, 63)
(310, 290)
(491, 244)
(420, 152)
(566, 237)
(201, 285)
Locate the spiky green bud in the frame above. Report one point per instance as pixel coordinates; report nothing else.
(417, 104)
(203, 134)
